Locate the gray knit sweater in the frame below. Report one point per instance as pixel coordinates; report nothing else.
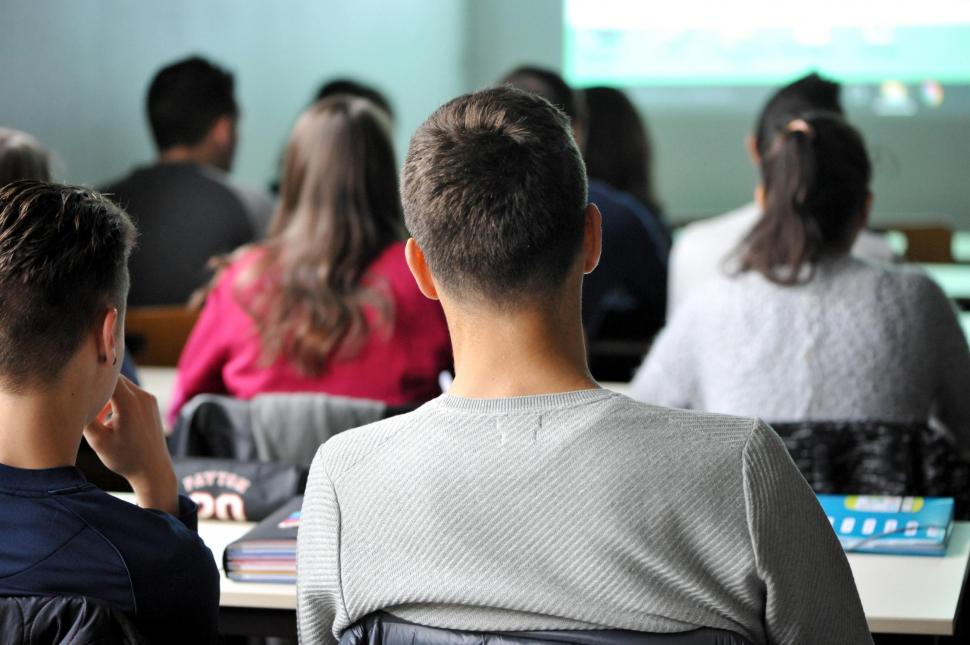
(859, 341)
(583, 510)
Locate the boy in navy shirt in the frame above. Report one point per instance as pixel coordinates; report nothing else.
(63, 284)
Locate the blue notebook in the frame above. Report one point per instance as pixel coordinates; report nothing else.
(888, 524)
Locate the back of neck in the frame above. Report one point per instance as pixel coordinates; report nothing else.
(518, 353)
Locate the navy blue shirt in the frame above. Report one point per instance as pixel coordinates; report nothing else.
(630, 284)
(63, 536)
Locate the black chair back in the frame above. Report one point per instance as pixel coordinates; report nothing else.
(381, 628)
(64, 620)
(878, 458)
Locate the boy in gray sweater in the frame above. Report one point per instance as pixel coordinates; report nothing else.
(528, 498)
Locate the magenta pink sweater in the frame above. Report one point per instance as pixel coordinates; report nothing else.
(222, 355)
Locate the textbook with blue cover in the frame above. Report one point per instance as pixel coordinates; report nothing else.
(889, 524)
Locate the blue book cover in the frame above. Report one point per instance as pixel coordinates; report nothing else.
(889, 524)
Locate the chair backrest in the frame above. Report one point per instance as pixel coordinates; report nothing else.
(156, 335)
(242, 459)
(930, 242)
(878, 458)
(64, 620)
(272, 427)
(381, 628)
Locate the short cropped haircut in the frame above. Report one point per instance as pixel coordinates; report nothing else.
(494, 192)
(186, 98)
(63, 257)
(810, 93)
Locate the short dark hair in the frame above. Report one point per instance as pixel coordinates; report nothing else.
(494, 192)
(186, 98)
(550, 86)
(351, 87)
(63, 256)
(810, 93)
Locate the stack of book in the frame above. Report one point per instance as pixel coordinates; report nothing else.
(887, 524)
(268, 552)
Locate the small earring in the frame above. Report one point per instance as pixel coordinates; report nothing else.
(102, 358)
(115, 361)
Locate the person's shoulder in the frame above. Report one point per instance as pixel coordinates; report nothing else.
(119, 186)
(727, 228)
(906, 279)
(716, 432)
(615, 209)
(343, 452)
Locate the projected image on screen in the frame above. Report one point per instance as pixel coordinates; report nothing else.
(765, 42)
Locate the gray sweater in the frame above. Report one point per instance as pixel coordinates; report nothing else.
(859, 341)
(583, 510)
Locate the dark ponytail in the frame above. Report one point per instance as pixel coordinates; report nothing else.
(815, 176)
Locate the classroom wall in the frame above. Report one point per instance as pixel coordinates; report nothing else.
(92, 60)
(75, 73)
(701, 166)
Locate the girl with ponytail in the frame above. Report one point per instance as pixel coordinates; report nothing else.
(801, 330)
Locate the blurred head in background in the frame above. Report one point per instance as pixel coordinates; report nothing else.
(192, 112)
(551, 86)
(618, 149)
(350, 87)
(22, 157)
(807, 94)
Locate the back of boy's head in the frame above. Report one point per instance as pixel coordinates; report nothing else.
(810, 93)
(63, 259)
(494, 193)
(186, 98)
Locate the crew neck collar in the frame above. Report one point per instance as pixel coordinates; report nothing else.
(40, 479)
(530, 403)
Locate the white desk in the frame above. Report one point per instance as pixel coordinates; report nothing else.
(913, 594)
(900, 594)
(217, 536)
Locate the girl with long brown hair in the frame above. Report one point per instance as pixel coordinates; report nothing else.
(326, 303)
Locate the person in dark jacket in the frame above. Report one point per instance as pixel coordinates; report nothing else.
(63, 261)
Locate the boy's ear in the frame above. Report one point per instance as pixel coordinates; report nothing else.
(419, 269)
(222, 131)
(107, 337)
(592, 238)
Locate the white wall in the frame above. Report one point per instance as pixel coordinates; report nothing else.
(75, 73)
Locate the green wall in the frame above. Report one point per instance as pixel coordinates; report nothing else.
(74, 74)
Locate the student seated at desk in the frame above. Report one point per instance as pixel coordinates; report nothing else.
(703, 249)
(326, 304)
(63, 282)
(803, 330)
(528, 498)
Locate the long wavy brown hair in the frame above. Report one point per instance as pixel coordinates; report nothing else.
(339, 208)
